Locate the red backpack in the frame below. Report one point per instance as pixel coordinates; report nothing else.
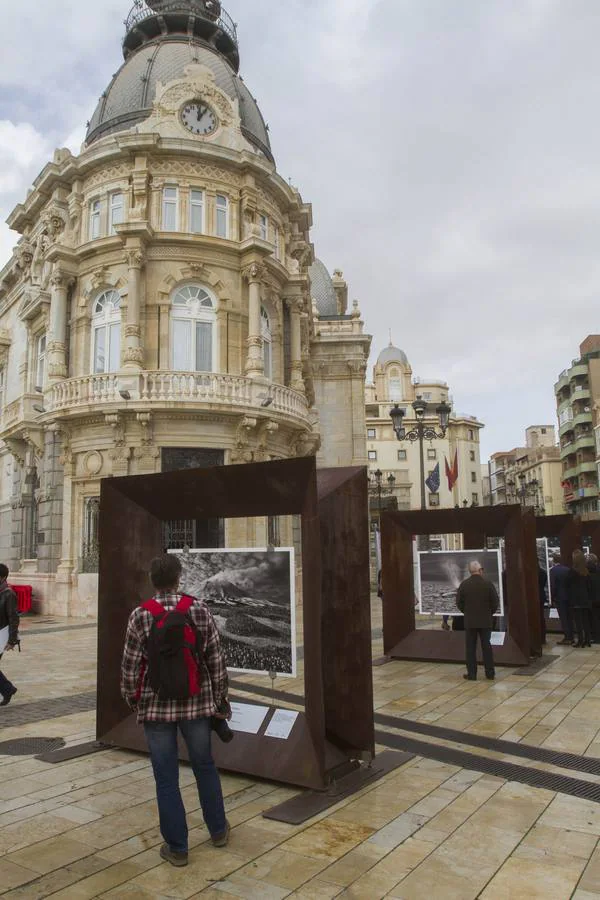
(174, 651)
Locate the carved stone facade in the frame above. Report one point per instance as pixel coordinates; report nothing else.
(159, 299)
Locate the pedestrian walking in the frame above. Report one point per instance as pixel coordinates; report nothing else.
(9, 620)
(579, 592)
(174, 676)
(542, 593)
(478, 599)
(559, 575)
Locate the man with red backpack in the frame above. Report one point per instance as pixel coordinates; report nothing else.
(174, 676)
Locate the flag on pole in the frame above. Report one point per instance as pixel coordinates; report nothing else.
(452, 473)
(433, 482)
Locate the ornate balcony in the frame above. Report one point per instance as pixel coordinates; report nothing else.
(181, 390)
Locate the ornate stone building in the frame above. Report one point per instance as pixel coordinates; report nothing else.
(157, 311)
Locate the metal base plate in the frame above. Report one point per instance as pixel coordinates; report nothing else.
(311, 803)
(73, 752)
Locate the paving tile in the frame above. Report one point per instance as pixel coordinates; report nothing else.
(525, 879)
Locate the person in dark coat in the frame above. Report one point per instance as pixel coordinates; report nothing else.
(559, 575)
(9, 620)
(592, 564)
(579, 591)
(542, 591)
(478, 599)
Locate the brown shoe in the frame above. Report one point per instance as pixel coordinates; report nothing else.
(175, 857)
(220, 840)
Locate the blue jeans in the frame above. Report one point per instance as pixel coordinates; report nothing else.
(161, 738)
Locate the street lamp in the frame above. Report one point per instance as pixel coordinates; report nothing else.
(422, 431)
(378, 488)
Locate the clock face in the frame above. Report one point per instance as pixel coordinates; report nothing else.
(199, 118)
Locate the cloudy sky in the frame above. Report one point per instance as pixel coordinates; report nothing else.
(450, 150)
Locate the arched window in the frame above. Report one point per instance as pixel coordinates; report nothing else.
(265, 331)
(192, 330)
(395, 384)
(106, 332)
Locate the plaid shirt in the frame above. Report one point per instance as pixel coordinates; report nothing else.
(213, 685)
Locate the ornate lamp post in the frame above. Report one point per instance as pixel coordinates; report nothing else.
(377, 488)
(422, 431)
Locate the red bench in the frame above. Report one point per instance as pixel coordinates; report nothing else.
(24, 596)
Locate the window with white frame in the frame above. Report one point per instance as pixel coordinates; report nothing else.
(401, 454)
(196, 211)
(434, 499)
(371, 433)
(395, 383)
(106, 333)
(193, 330)
(267, 341)
(372, 455)
(222, 216)
(40, 361)
(116, 211)
(263, 224)
(170, 208)
(277, 251)
(431, 454)
(95, 213)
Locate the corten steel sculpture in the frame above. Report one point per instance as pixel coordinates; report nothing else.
(337, 723)
(401, 639)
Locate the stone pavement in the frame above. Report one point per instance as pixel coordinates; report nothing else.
(88, 827)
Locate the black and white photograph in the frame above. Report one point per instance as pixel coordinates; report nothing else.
(544, 557)
(441, 572)
(250, 594)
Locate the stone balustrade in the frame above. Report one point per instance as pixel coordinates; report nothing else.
(158, 388)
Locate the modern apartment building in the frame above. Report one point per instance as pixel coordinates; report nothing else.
(577, 392)
(530, 475)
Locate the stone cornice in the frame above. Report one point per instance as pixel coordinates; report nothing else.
(66, 168)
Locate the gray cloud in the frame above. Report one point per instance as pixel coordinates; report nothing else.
(449, 150)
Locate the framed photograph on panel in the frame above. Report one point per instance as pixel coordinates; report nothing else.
(441, 572)
(250, 593)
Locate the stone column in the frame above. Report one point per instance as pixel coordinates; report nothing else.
(296, 379)
(57, 344)
(254, 275)
(134, 353)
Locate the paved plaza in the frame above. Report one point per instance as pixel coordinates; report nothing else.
(88, 827)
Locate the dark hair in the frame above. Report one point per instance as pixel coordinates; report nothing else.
(556, 558)
(3, 571)
(165, 571)
(579, 563)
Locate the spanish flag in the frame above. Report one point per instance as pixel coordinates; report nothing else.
(452, 473)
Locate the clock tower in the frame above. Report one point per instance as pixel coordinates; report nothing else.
(157, 311)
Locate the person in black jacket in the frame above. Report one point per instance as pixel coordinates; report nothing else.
(592, 564)
(542, 591)
(9, 618)
(579, 592)
(478, 599)
(559, 575)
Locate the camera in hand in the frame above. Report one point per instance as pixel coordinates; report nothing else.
(220, 726)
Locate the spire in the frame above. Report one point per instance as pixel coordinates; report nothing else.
(390, 343)
(204, 20)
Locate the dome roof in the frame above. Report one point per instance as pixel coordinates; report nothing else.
(322, 289)
(128, 98)
(392, 354)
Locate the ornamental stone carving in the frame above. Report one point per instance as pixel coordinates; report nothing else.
(93, 462)
(254, 272)
(135, 258)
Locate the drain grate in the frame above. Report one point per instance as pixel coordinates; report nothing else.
(590, 765)
(30, 746)
(587, 764)
(562, 784)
